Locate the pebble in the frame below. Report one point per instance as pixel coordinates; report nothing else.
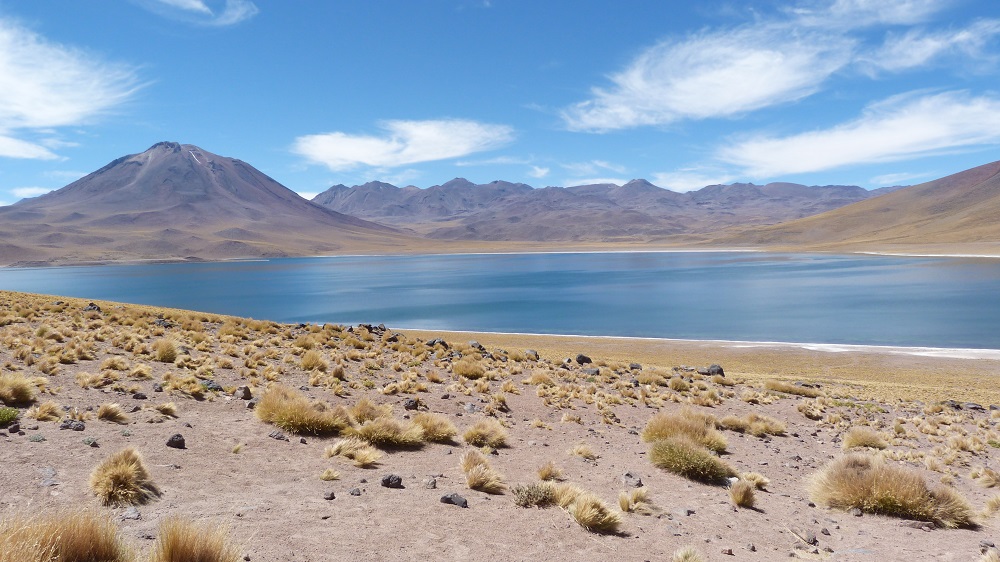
(176, 441)
(392, 481)
(355, 491)
(455, 499)
(329, 496)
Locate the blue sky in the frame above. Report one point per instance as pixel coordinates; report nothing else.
(684, 94)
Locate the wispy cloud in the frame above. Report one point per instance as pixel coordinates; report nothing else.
(499, 160)
(538, 172)
(690, 179)
(45, 85)
(901, 178)
(864, 13)
(204, 12)
(593, 167)
(898, 128)
(918, 47)
(404, 142)
(22, 192)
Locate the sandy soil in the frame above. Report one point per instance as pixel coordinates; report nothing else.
(269, 494)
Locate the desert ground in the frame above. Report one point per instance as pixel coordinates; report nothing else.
(648, 451)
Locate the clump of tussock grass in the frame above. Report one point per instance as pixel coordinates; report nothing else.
(538, 494)
(789, 388)
(114, 363)
(861, 436)
(686, 457)
(591, 513)
(168, 409)
(688, 423)
(636, 500)
(437, 427)
(486, 432)
(584, 452)
(757, 479)
(99, 380)
(873, 486)
(359, 452)
(16, 389)
(112, 413)
(366, 410)
(165, 351)
(742, 493)
(549, 471)
(755, 424)
(141, 372)
(182, 540)
(46, 411)
(479, 475)
(388, 433)
(687, 554)
(329, 475)
(65, 536)
(313, 360)
(123, 479)
(468, 368)
(291, 411)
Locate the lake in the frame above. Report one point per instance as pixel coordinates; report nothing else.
(846, 299)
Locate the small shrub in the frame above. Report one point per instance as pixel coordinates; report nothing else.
(360, 452)
(291, 411)
(16, 389)
(789, 388)
(860, 436)
(123, 479)
(112, 413)
(486, 433)
(534, 495)
(437, 427)
(181, 540)
(8, 415)
(549, 471)
(687, 458)
(688, 423)
(873, 486)
(742, 493)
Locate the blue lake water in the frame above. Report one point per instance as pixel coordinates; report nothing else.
(874, 300)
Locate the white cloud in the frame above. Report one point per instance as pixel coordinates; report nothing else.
(863, 13)
(538, 172)
(898, 179)
(714, 74)
(593, 167)
(501, 160)
(307, 194)
(901, 127)
(405, 142)
(916, 48)
(690, 179)
(22, 192)
(213, 13)
(44, 85)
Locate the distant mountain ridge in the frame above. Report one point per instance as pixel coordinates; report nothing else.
(500, 210)
(173, 201)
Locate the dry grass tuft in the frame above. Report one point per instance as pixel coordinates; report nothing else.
(468, 368)
(541, 494)
(742, 493)
(861, 436)
(360, 452)
(687, 554)
(290, 410)
(167, 409)
(16, 389)
(591, 513)
(757, 479)
(871, 485)
(549, 471)
(789, 388)
(437, 427)
(636, 500)
(486, 432)
(479, 475)
(388, 432)
(68, 536)
(329, 475)
(689, 459)
(46, 411)
(366, 410)
(584, 451)
(313, 361)
(123, 479)
(165, 351)
(112, 413)
(687, 423)
(181, 540)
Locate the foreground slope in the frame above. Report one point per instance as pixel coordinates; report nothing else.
(955, 212)
(176, 201)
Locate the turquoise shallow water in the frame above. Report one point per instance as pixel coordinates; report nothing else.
(873, 300)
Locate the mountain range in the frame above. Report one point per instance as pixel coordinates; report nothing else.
(177, 201)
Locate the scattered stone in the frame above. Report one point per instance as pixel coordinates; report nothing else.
(855, 511)
(728, 551)
(278, 435)
(985, 545)
(157, 387)
(355, 491)
(163, 323)
(329, 496)
(752, 547)
(631, 480)
(139, 396)
(583, 359)
(716, 369)
(14, 428)
(687, 512)
(130, 514)
(73, 425)
(302, 440)
(476, 345)
(592, 372)
(431, 483)
(635, 366)
(212, 386)
(242, 393)
(91, 442)
(531, 354)
(92, 308)
(392, 481)
(252, 404)
(445, 396)
(411, 404)
(437, 341)
(176, 441)
(455, 499)
(824, 531)
(472, 408)
(973, 406)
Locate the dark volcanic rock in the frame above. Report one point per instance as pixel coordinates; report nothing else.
(455, 499)
(392, 481)
(176, 441)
